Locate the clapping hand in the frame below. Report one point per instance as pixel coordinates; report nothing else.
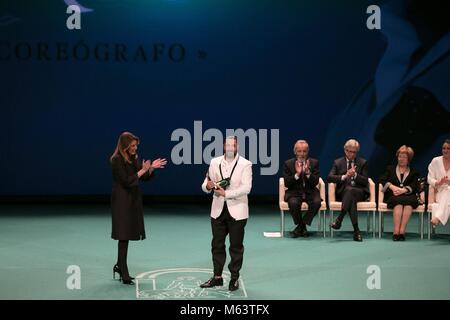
(307, 168)
(146, 165)
(158, 163)
(444, 180)
(351, 172)
(298, 167)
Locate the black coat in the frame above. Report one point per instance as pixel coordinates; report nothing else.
(411, 182)
(126, 200)
(296, 187)
(340, 168)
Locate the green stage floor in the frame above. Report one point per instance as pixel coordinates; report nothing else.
(39, 242)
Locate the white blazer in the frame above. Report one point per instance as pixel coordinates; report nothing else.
(236, 193)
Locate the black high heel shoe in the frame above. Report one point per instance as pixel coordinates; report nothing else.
(116, 269)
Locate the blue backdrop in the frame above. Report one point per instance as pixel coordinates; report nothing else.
(153, 67)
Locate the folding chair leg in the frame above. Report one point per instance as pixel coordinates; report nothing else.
(282, 223)
(319, 227)
(331, 221)
(429, 225)
(421, 225)
(432, 230)
(324, 212)
(379, 224)
(368, 222)
(418, 223)
(373, 224)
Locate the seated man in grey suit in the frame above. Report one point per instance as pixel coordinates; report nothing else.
(301, 176)
(350, 173)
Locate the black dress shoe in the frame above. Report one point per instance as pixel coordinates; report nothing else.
(299, 233)
(212, 283)
(294, 234)
(401, 237)
(357, 236)
(336, 224)
(395, 237)
(233, 285)
(304, 233)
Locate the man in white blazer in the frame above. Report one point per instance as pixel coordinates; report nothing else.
(229, 177)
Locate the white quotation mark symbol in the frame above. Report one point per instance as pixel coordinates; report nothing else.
(374, 280)
(74, 280)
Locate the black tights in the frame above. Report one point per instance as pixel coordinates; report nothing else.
(122, 246)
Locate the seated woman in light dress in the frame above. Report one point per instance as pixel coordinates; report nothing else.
(439, 179)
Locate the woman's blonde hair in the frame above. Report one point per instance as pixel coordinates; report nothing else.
(123, 144)
(407, 150)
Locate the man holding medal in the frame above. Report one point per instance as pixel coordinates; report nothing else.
(229, 177)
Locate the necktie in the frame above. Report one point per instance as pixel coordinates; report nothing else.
(350, 181)
(302, 178)
(350, 164)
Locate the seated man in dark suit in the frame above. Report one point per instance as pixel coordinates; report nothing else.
(352, 184)
(301, 176)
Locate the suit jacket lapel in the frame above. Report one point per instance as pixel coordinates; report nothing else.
(292, 166)
(358, 165)
(343, 165)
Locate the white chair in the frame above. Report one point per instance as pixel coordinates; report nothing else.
(285, 207)
(369, 205)
(431, 200)
(382, 209)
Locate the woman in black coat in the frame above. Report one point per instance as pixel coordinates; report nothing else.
(400, 186)
(126, 198)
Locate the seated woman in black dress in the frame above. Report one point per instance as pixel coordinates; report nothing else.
(400, 186)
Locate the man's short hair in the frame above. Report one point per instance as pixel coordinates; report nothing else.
(230, 137)
(351, 143)
(301, 142)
